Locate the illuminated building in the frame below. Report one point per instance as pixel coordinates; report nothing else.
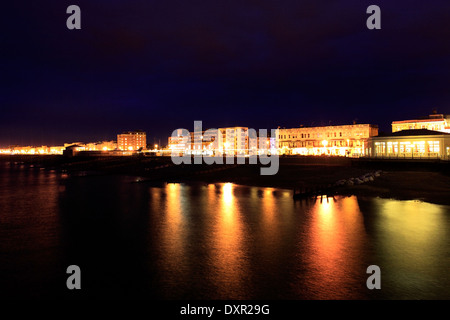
(132, 141)
(209, 142)
(75, 147)
(411, 144)
(235, 140)
(31, 150)
(258, 144)
(434, 122)
(345, 140)
(101, 146)
(222, 141)
(180, 143)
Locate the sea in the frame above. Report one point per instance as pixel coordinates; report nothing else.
(134, 239)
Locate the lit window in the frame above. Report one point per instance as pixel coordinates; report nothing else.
(433, 146)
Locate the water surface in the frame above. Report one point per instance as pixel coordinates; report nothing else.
(216, 241)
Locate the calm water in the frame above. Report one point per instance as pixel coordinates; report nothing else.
(217, 241)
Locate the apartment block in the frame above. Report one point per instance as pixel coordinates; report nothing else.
(132, 140)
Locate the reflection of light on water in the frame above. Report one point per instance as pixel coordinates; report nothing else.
(227, 192)
(269, 219)
(326, 234)
(172, 232)
(225, 236)
(335, 241)
(412, 221)
(228, 260)
(174, 220)
(268, 192)
(325, 206)
(229, 209)
(412, 224)
(411, 234)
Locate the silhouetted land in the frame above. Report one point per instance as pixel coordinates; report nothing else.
(426, 180)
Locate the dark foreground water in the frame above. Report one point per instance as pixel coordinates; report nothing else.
(217, 241)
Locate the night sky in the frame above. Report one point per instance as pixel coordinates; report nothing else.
(160, 65)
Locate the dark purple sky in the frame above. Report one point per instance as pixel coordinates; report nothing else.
(160, 65)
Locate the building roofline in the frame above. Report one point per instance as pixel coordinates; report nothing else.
(418, 120)
(413, 133)
(332, 126)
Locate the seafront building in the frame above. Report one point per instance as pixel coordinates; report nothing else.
(235, 140)
(101, 146)
(132, 141)
(344, 140)
(434, 122)
(31, 150)
(411, 144)
(240, 141)
(423, 138)
(426, 138)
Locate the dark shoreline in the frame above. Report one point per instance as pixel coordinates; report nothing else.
(424, 181)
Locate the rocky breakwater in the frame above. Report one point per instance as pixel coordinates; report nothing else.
(368, 177)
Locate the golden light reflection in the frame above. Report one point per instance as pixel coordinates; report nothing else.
(174, 220)
(227, 191)
(326, 205)
(416, 226)
(172, 233)
(228, 253)
(411, 233)
(270, 222)
(334, 249)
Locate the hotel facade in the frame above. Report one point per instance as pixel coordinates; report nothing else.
(344, 140)
(132, 141)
